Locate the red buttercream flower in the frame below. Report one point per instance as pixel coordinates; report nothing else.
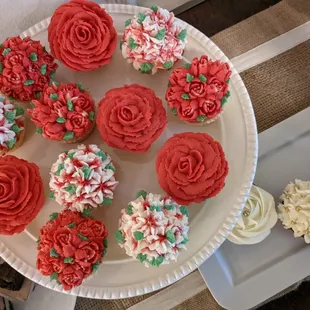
(92, 228)
(63, 112)
(89, 253)
(191, 167)
(81, 34)
(71, 276)
(44, 264)
(21, 194)
(26, 68)
(198, 93)
(131, 118)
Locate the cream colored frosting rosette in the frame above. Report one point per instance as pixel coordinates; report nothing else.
(294, 211)
(258, 217)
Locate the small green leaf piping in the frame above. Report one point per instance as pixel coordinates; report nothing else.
(53, 253)
(60, 120)
(119, 237)
(53, 216)
(69, 135)
(68, 260)
(141, 193)
(33, 57)
(91, 116)
(138, 235)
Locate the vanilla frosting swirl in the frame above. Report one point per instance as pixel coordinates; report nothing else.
(257, 218)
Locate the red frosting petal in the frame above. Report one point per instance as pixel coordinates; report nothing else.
(191, 167)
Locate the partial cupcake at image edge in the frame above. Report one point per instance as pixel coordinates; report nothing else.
(131, 118)
(153, 229)
(71, 247)
(21, 194)
(25, 68)
(191, 167)
(64, 112)
(83, 179)
(198, 91)
(81, 35)
(293, 211)
(153, 40)
(12, 126)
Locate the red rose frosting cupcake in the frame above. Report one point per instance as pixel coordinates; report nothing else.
(81, 35)
(21, 194)
(71, 247)
(131, 118)
(64, 112)
(191, 167)
(12, 126)
(25, 68)
(153, 40)
(83, 178)
(198, 92)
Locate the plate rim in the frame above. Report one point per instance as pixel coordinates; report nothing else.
(224, 229)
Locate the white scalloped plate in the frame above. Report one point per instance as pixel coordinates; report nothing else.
(120, 276)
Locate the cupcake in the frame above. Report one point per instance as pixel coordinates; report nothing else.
(12, 126)
(153, 40)
(83, 178)
(293, 212)
(153, 229)
(81, 35)
(191, 167)
(64, 112)
(71, 247)
(257, 218)
(21, 194)
(198, 92)
(25, 68)
(131, 118)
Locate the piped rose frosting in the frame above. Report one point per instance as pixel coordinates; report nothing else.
(25, 68)
(153, 229)
(71, 247)
(63, 112)
(191, 167)
(198, 91)
(21, 194)
(153, 40)
(131, 118)
(83, 178)
(81, 35)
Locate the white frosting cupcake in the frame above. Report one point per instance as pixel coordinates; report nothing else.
(258, 217)
(294, 211)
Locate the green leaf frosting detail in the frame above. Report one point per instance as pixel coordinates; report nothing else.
(33, 57)
(132, 44)
(51, 195)
(187, 65)
(169, 84)
(105, 242)
(71, 225)
(19, 111)
(154, 8)
(10, 144)
(68, 260)
(141, 18)
(10, 116)
(138, 235)
(70, 155)
(161, 34)
(169, 207)
(109, 166)
(54, 96)
(228, 94)
(141, 193)
(174, 111)
(95, 266)
(87, 213)
(104, 253)
(70, 105)
(53, 253)
(86, 171)
(39, 130)
(168, 64)
(38, 241)
(82, 237)
(28, 82)
(201, 118)
(202, 78)
(60, 120)
(38, 96)
(146, 67)
(91, 116)
(60, 167)
(129, 210)
(189, 77)
(170, 236)
(182, 35)
(141, 257)
(52, 75)
(127, 22)
(69, 135)
(156, 262)
(53, 216)
(1, 67)
(102, 155)
(119, 237)
(106, 201)
(155, 208)
(185, 96)
(184, 211)
(43, 69)
(185, 240)
(71, 189)
(6, 51)
(54, 276)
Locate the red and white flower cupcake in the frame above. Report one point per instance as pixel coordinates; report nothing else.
(12, 126)
(153, 40)
(25, 68)
(64, 112)
(153, 229)
(198, 91)
(83, 178)
(71, 247)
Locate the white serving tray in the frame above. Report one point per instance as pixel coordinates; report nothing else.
(242, 276)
